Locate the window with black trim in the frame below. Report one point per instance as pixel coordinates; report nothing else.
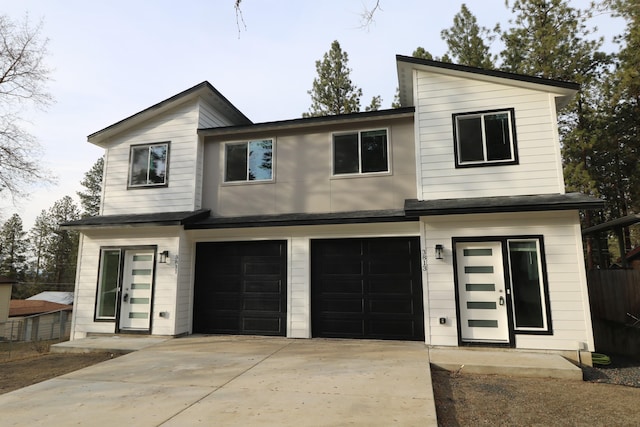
(529, 293)
(360, 152)
(485, 138)
(249, 161)
(148, 165)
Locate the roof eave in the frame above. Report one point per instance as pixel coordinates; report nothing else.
(564, 91)
(302, 123)
(100, 137)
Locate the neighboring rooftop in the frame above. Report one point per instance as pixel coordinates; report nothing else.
(54, 296)
(20, 307)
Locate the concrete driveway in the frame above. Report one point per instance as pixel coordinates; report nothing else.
(239, 381)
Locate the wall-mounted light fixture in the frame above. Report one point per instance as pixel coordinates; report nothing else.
(439, 251)
(164, 256)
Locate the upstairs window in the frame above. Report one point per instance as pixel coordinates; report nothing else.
(485, 138)
(148, 166)
(360, 152)
(249, 161)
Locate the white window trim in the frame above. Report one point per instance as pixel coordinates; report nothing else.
(247, 181)
(512, 138)
(360, 173)
(148, 146)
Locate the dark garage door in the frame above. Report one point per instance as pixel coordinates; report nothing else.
(367, 288)
(240, 288)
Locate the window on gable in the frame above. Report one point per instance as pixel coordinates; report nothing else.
(485, 138)
(249, 161)
(360, 152)
(149, 164)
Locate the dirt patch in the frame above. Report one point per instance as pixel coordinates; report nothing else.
(608, 396)
(19, 373)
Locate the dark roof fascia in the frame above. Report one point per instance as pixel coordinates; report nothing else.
(6, 280)
(477, 205)
(625, 221)
(492, 73)
(185, 93)
(298, 219)
(138, 220)
(309, 121)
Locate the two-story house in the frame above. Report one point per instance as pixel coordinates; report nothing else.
(444, 221)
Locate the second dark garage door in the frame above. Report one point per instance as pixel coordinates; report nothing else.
(367, 288)
(240, 288)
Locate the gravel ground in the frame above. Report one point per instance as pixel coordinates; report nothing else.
(622, 371)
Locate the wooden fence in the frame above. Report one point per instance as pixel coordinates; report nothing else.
(613, 294)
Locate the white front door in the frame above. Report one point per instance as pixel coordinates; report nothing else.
(481, 291)
(135, 295)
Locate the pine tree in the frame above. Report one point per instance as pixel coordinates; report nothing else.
(550, 39)
(13, 249)
(333, 92)
(625, 100)
(62, 245)
(92, 182)
(466, 41)
(39, 237)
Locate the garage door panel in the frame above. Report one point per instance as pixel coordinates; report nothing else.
(342, 266)
(263, 286)
(226, 302)
(261, 325)
(390, 266)
(261, 304)
(342, 305)
(381, 299)
(342, 328)
(391, 286)
(399, 307)
(240, 288)
(340, 286)
(391, 328)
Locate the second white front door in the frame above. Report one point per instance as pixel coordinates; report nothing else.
(482, 295)
(136, 292)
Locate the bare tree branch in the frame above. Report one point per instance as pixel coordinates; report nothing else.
(23, 80)
(239, 17)
(367, 15)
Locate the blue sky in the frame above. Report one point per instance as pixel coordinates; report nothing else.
(112, 59)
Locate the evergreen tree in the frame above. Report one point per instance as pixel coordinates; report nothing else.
(466, 41)
(550, 39)
(333, 92)
(422, 53)
(39, 237)
(61, 248)
(625, 100)
(92, 182)
(376, 103)
(13, 249)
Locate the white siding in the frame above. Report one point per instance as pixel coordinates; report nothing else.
(566, 275)
(165, 295)
(210, 117)
(439, 96)
(179, 127)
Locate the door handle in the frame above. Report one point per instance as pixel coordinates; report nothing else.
(501, 301)
(125, 298)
